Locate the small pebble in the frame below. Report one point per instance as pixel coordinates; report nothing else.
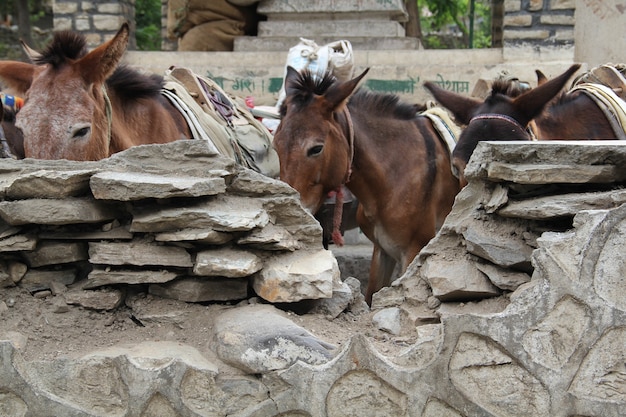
(42, 294)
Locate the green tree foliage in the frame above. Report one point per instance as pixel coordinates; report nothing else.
(446, 23)
(148, 19)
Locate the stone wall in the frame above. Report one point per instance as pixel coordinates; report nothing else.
(516, 308)
(126, 221)
(539, 22)
(99, 20)
(371, 24)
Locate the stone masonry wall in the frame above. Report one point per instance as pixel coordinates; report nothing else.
(526, 22)
(539, 22)
(99, 20)
(515, 309)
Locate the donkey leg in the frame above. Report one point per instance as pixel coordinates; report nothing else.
(381, 268)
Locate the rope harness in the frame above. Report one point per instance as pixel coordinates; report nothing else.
(108, 110)
(505, 118)
(338, 192)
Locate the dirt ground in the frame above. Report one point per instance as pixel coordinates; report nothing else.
(47, 328)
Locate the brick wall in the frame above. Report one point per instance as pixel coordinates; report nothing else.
(99, 20)
(539, 22)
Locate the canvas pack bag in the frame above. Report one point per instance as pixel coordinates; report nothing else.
(336, 57)
(222, 120)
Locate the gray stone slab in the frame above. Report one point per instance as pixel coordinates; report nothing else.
(138, 253)
(49, 184)
(552, 173)
(196, 290)
(129, 186)
(100, 277)
(564, 205)
(57, 211)
(217, 214)
(50, 253)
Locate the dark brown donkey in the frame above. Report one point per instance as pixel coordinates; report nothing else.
(568, 116)
(392, 160)
(80, 105)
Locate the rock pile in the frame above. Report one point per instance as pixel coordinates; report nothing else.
(190, 224)
(516, 308)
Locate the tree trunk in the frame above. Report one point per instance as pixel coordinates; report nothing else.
(497, 21)
(23, 21)
(413, 27)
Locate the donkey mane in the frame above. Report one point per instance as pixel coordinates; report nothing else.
(308, 85)
(506, 86)
(130, 84)
(65, 46)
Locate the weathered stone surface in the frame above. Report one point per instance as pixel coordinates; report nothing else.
(50, 253)
(340, 301)
(503, 278)
(100, 277)
(196, 290)
(496, 247)
(361, 392)
(552, 173)
(210, 237)
(388, 320)
(124, 186)
(601, 375)
(55, 211)
(610, 268)
(230, 263)
(552, 347)
(553, 340)
(140, 253)
(456, 277)
(102, 299)
(482, 370)
(38, 279)
(269, 341)
(48, 184)
(216, 213)
(21, 242)
(563, 205)
(297, 276)
(272, 237)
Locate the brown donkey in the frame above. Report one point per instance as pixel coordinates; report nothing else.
(391, 159)
(81, 105)
(554, 114)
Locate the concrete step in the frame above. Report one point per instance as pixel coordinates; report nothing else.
(284, 43)
(339, 28)
(388, 9)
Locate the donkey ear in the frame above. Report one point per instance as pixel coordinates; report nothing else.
(460, 106)
(30, 52)
(530, 104)
(339, 92)
(541, 77)
(99, 64)
(291, 79)
(17, 76)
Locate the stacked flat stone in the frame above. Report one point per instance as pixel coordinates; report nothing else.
(189, 224)
(552, 346)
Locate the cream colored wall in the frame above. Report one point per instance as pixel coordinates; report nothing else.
(600, 34)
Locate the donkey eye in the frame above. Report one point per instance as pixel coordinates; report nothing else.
(315, 150)
(81, 132)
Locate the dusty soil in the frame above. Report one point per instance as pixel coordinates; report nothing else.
(47, 328)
